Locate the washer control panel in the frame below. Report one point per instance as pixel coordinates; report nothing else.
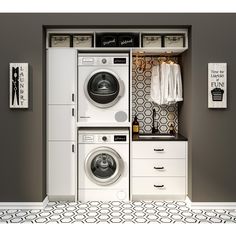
(103, 138)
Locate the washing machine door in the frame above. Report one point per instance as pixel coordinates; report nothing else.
(104, 166)
(103, 88)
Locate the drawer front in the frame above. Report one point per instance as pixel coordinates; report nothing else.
(159, 186)
(159, 149)
(158, 167)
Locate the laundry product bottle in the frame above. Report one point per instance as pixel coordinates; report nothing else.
(135, 125)
(172, 129)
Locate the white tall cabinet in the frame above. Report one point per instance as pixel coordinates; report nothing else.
(61, 123)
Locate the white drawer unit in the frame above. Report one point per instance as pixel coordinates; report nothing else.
(159, 167)
(159, 170)
(159, 186)
(159, 149)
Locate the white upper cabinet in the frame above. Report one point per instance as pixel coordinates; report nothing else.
(61, 75)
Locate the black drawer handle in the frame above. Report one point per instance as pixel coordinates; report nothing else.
(159, 149)
(159, 186)
(158, 167)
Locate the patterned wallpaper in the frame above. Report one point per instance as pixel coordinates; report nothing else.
(142, 107)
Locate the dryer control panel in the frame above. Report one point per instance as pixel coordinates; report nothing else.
(102, 59)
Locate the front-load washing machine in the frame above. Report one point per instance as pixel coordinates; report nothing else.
(103, 164)
(103, 87)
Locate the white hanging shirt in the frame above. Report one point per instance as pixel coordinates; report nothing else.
(178, 90)
(164, 83)
(171, 85)
(167, 84)
(155, 91)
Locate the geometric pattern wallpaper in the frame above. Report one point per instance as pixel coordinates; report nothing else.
(143, 108)
(118, 212)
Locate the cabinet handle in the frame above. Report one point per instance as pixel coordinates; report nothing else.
(73, 97)
(73, 148)
(159, 186)
(159, 149)
(158, 167)
(73, 112)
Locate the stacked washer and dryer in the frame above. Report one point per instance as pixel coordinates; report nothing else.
(103, 106)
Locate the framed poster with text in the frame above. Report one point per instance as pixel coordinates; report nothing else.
(18, 85)
(217, 85)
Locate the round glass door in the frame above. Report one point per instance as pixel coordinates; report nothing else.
(103, 88)
(104, 166)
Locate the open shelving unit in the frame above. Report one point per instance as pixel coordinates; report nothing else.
(139, 49)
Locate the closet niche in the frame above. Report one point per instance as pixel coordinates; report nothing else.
(142, 104)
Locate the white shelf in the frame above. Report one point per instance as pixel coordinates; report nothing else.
(158, 51)
(123, 124)
(145, 51)
(150, 51)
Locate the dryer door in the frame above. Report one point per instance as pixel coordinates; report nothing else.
(104, 166)
(103, 88)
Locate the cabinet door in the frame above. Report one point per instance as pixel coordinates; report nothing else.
(61, 75)
(61, 165)
(61, 122)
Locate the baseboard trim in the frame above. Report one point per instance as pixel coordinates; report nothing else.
(70, 198)
(25, 205)
(210, 205)
(140, 197)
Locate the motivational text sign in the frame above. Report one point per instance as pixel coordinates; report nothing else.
(217, 85)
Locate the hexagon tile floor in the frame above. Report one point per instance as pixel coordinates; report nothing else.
(118, 212)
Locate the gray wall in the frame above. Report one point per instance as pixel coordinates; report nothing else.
(212, 155)
(185, 107)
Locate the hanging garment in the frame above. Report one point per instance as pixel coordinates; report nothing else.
(171, 84)
(155, 91)
(167, 84)
(178, 90)
(164, 83)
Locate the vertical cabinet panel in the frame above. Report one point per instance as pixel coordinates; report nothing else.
(61, 128)
(61, 169)
(61, 75)
(61, 122)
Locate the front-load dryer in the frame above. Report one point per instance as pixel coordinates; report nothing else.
(103, 164)
(103, 87)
